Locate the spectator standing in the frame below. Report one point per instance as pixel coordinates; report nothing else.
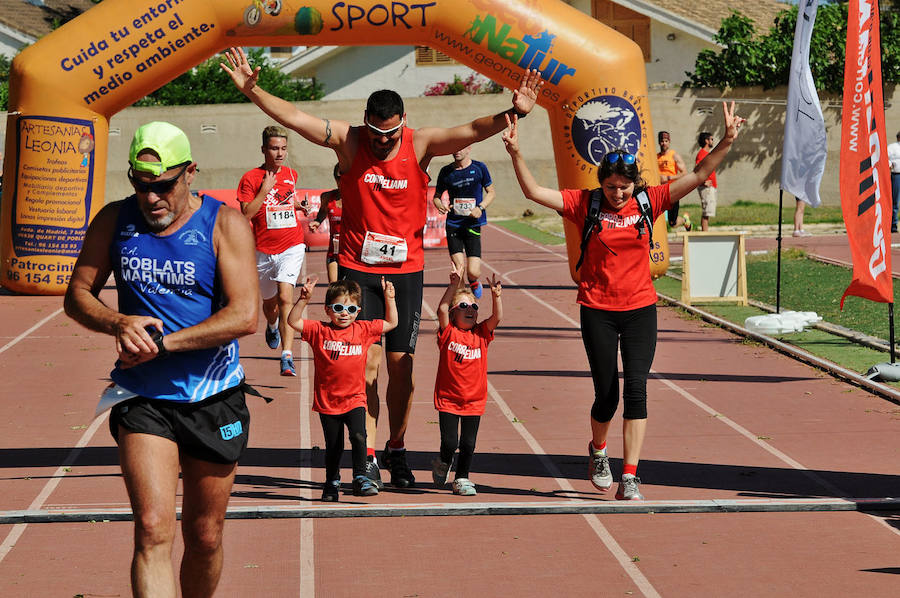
(708, 188)
(671, 166)
(893, 152)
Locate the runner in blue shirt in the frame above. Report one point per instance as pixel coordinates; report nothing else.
(467, 188)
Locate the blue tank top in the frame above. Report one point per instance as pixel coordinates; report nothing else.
(464, 182)
(172, 278)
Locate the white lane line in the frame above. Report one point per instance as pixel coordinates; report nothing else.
(625, 561)
(17, 530)
(30, 330)
(522, 239)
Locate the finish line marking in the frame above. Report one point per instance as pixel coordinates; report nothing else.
(787, 505)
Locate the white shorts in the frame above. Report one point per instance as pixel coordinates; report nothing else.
(707, 200)
(279, 267)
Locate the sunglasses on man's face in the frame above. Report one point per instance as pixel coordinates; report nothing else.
(339, 307)
(613, 157)
(158, 187)
(386, 132)
(464, 305)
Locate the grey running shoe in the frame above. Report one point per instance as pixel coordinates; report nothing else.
(629, 488)
(464, 487)
(439, 472)
(598, 469)
(374, 474)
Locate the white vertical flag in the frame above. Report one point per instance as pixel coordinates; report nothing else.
(805, 150)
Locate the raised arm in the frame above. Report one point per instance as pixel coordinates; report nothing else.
(690, 181)
(432, 142)
(497, 309)
(545, 196)
(295, 318)
(92, 269)
(391, 318)
(443, 310)
(324, 132)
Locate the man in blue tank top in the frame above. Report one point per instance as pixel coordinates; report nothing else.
(186, 280)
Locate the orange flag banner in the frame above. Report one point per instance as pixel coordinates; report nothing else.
(865, 178)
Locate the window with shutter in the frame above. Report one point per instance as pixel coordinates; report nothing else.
(429, 56)
(629, 23)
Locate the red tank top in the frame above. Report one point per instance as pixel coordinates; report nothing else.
(386, 203)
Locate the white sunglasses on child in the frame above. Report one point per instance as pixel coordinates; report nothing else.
(339, 307)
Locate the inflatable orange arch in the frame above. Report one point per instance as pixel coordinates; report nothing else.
(64, 89)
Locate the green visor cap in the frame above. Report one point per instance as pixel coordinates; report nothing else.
(168, 141)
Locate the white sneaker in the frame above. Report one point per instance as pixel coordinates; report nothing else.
(598, 469)
(629, 488)
(463, 487)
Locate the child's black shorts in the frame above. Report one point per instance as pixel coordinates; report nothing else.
(215, 429)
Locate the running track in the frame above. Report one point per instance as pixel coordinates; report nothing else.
(732, 425)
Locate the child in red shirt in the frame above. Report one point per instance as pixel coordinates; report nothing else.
(339, 350)
(460, 390)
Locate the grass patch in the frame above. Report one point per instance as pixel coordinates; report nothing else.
(806, 285)
(540, 235)
(749, 213)
(740, 213)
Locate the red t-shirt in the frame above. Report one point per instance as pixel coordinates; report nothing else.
(618, 282)
(461, 384)
(711, 181)
(276, 225)
(339, 356)
(388, 200)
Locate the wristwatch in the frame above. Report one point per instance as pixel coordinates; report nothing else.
(157, 337)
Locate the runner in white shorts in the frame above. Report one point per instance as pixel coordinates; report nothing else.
(269, 200)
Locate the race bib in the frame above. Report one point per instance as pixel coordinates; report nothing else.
(383, 249)
(462, 206)
(281, 216)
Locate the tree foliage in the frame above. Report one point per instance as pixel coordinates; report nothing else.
(747, 59)
(207, 83)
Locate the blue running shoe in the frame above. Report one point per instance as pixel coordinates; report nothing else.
(273, 337)
(287, 366)
(363, 486)
(476, 288)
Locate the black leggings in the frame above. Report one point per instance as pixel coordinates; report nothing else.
(602, 332)
(333, 427)
(467, 426)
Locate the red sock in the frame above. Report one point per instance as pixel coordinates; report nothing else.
(629, 469)
(396, 445)
(596, 448)
(370, 452)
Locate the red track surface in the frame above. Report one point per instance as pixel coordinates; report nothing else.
(728, 420)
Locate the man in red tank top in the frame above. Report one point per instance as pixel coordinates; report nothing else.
(383, 187)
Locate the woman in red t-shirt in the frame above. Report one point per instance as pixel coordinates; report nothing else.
(616, 294)
(460, 390)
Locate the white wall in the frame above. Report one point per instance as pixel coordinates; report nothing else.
(358, 71)
(669, 59)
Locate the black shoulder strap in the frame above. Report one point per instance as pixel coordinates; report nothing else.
(646, 215)
(591, 220)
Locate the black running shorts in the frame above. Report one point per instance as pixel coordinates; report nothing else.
(408, 288)
(464, 239)
(214, 429)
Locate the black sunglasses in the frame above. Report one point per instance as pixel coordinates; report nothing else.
(158, 187)
(339, 307)
(464, 305)
(613, 157)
